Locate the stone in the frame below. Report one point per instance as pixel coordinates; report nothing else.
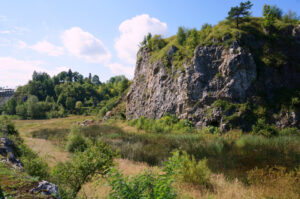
(47, 189)
(214, 72)
(7, 151)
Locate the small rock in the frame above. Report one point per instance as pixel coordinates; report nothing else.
(47, 189)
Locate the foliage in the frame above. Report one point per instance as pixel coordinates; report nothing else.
(156, 43)
(7, 127)
(15, 184)
(146, 185)
(76, 142)
(33, 164)
(271, 13)
(181, 35)
(166, 124)
(36, 167)
(65, 93)
(70, 176)
(192, 39)
(237, 13)
(261, 128)
(291, 18)
(187, 169)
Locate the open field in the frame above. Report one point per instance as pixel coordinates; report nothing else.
(48, 137)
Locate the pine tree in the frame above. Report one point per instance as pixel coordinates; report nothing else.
(237, 13)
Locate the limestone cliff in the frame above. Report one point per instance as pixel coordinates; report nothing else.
(215, 72)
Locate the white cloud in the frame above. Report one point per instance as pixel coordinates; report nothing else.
(120, 69)
(132, 33)
(18, 72)
(84, 45)
(45, 47)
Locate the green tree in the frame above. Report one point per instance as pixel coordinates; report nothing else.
(181, 35)
(156, 43)
(33, 108)
(21, 110)
(193, 39)
(70, 176)
(70, 103)
(291, 17)
(271, 13)
(96, 80)
(237, 13)
(205, 26)
(10, 107)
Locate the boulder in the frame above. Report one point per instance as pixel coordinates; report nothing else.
(7, 150)
(47, 189)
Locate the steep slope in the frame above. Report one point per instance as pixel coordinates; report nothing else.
(225, 83)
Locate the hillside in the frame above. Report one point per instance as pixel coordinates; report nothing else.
(211, 113)
(229, 78)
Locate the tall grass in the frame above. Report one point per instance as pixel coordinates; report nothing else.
(231, 151)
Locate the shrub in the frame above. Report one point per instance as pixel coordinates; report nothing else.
(36, 167)
(7, 126)
(166, 124)
(187, 169)
(261, 128)
(181, 35)
(70, 176)
(33, 164)
(146, 185)
(76, 142)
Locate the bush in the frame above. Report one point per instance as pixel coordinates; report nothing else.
(187, 169)
(33, 164)
(7, 126)
(145, 185)
(166, 124)
(261, 128)
(181, 35)
(71, 175)
(76, 142)
(36, 167)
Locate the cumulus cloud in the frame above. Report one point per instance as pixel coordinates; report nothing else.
(18, 72)
(43, 47)
(132, 32)
(84, 45)
(120, 69)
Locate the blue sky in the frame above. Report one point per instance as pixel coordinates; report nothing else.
(100, 37)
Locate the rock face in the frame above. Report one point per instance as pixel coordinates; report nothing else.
(47, 189)
(7, 151)
(213, 73)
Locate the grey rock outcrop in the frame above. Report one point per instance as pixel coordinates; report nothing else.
(47, 189)
(7, 151)
(214, 72)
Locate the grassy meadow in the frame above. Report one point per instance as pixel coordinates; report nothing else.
(241, 165)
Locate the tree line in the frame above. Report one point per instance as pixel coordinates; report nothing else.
(65, 93)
